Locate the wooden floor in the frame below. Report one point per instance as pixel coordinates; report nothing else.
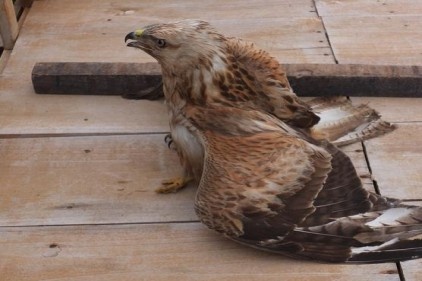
(78, 173)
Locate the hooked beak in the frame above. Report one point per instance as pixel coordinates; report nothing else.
(131, 36)
(135, 35)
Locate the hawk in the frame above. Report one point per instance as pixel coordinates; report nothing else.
(203, 67)
(267, 174)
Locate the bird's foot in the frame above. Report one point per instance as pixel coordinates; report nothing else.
(169, 141)
(173, 185)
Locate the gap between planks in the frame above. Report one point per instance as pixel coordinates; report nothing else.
(327, 37)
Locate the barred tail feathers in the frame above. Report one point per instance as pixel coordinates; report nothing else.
(343, 123)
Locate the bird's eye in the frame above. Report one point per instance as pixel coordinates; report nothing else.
(161, 43)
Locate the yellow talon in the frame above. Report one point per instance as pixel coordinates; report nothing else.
(173, 185)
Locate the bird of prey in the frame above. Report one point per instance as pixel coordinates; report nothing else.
(203, 67)
(267, 174)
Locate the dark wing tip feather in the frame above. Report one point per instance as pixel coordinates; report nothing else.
(399, 251)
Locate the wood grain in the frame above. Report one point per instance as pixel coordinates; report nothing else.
(396, 163)
(395, 159)
(156, 252)
(395, 109)
(24, 112)
(368, 8)
(97, 31)
(89, 180)
(97, 180)
(412, 270)
(376, 39)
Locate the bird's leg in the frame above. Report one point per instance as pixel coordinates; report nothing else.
(173, 185)
(188, 163)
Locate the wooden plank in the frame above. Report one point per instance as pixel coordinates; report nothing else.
(163, 10)
(144, 80)
(96, 32)
(136, 252)
(141, 80)
(89, 180)
(396, 165)
(376, 39)
(156, 252)
(24, 112)
(395, 109)
(306, 47)
(368, 8)
(399, 151)
(355, 80)
(8, 24)
(412, 270)
(395, 160)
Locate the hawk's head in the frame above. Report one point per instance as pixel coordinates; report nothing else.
(186, 42)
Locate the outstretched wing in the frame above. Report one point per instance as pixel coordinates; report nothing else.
(267, 81)
(260, 178)
(271, 187)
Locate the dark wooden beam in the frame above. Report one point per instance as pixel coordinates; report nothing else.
(130, 80)
(143, 80)
(355, 80)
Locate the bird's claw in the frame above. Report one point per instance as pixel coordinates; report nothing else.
(169, 141)
(173, 185)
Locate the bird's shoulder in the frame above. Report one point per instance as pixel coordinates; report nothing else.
(257, 76)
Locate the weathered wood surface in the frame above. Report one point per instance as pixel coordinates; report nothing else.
(143, 80)
(397, 167)
(372, 8)
(89, 180)
(395, 159)
(93, 31)
(412, 270)
(25, 113)
(397, 110)
(97, 32)
(180, 251)
(374, 32)
(97, 180)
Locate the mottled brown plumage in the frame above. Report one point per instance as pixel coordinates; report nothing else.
(267, 175)
(274, 188)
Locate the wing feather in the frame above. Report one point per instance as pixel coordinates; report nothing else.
(263, 173)
(271, 187)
